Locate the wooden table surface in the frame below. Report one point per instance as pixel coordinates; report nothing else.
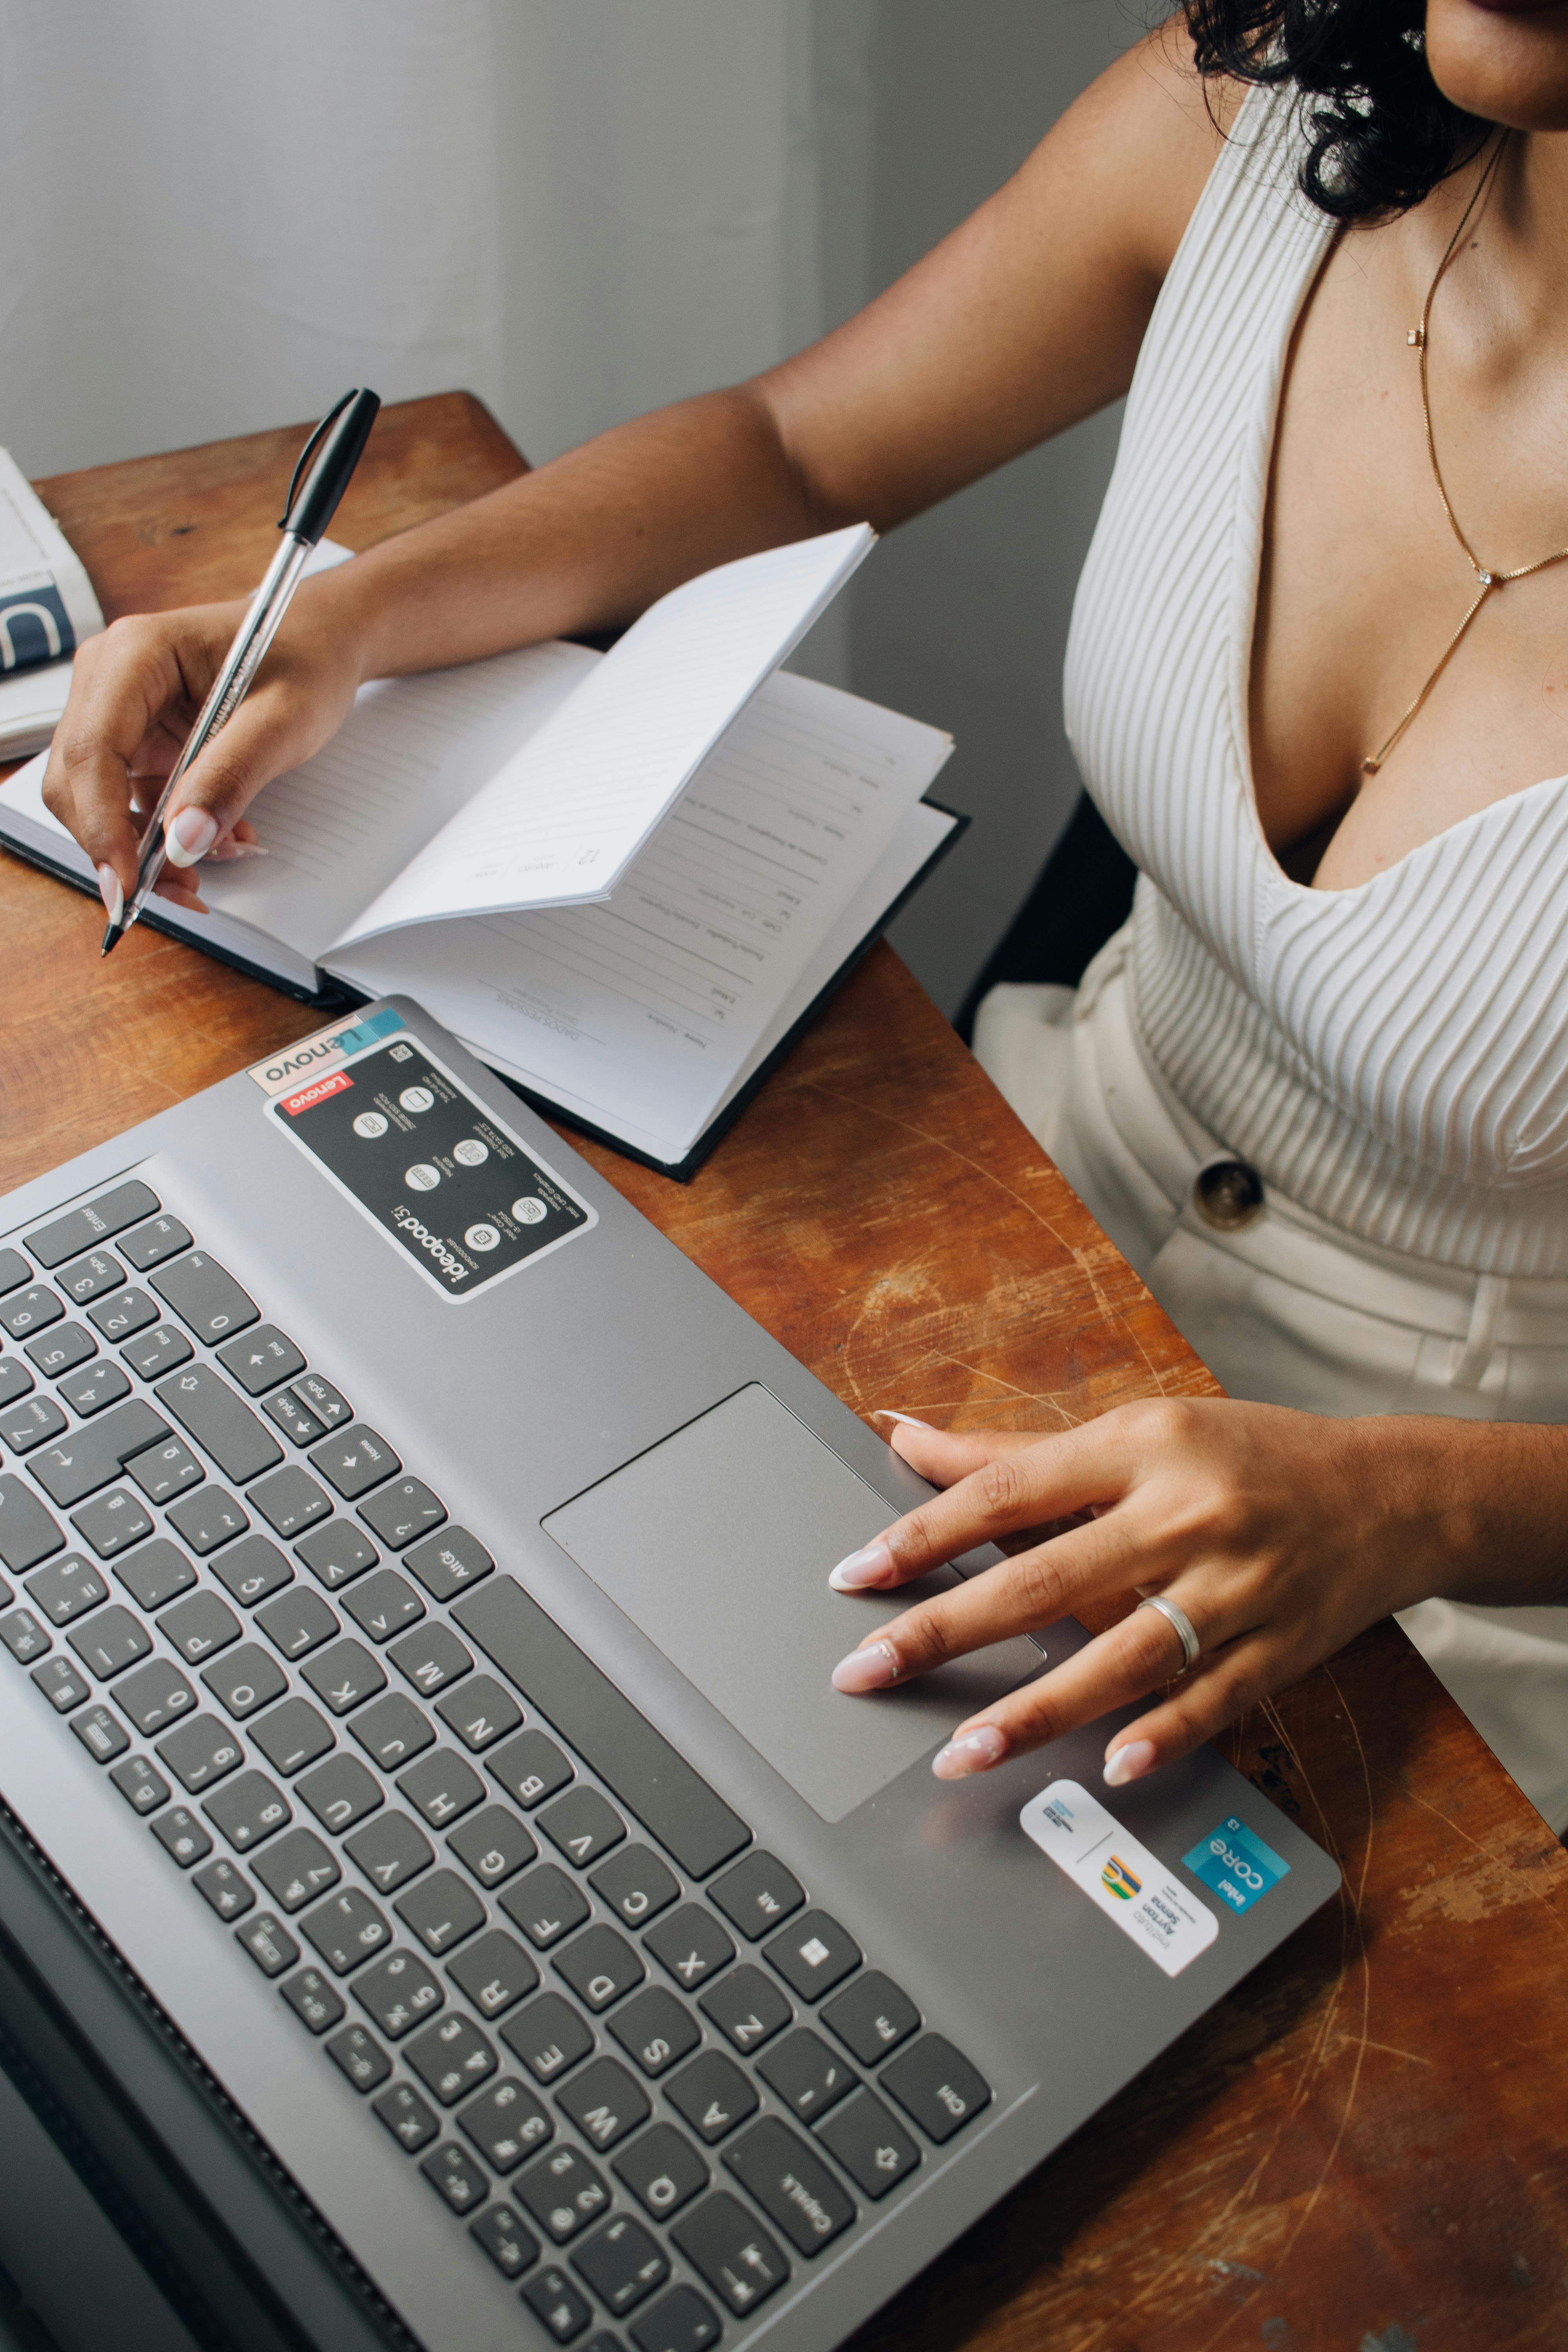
(1365, 2148)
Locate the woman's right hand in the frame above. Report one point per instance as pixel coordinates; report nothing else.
(135, 695)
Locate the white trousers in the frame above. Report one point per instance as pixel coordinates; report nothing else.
(1287, 1310)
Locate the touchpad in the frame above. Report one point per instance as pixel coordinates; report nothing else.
(718, 1542)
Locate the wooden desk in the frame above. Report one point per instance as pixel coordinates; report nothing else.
(1366, 2146)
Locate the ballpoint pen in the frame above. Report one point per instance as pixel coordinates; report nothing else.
(336, 445)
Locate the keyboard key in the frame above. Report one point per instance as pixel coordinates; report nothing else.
(450, 2057)
(199, 1752)
(397, 1993)
(360, 2056)
(201, 1624)
(33, 1422)
(354, 1461)
(207, 1519)
(506, 2122)
(757, 1895)
(27, 1534)
(392, 1729)
(495, 1973)
(384, 1604)
(656, 2028)
(600, 1966)
(79, 1229)
(123, 1314)
(691, 1945)
(440, 1911)
(346, 1928)
(259, 1360)
(62, 1684)
(314, 1999)
(323, 1400)
(479, 1712)
(67, 1589)
(343, 1676)
(509, 2246)
(792, 2184)
(292, 1418)
(452, 2171)
(747, 2007)
(152, 1353)
(167, 1470)
(636, 1884)
(15, 1379)
(493, 1845)
(550, 2037)
(252, 1569)
(813, 1954)
(621, 2265)
(23, 1635)
(806, 2075)
(871, 2016)
(935, 2084)
(297, 1869)
(13, 1270)
(546, 1905)
(90, 1457)
(150, 1244)
(529, 1768)
(391, 1850)
(400, 1512)
(246, 1679)
(142, 1789)
(155, 1695)
(101, 1735)
(206, 1299)
(297, 1623)
(53, 1352)
(30, 1310)
(875, 2151)
(111, 1523)
(410, 2123)
(340, 1792)
(248, 1810)
(445, 1563)
(732, 2252)
(180, 1834)
(155, 1574)
(712, 2094)
(430, 1658)
(222, 1423)
(336, 1554)
(581, 1825)
(662, 2169)
(92, 1387)
(113, 1641)
(293, 1735)
(270, 1944)
(556, 2305)
(605, 2103)
(289, 1501)
(225, 1888)
(679, 2321)
(563, 2192)
(89, 1277)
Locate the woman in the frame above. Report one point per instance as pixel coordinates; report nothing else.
(1336, 1023)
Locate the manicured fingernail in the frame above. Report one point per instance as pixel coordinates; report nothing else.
(857, 1568)
(972, 1752)
(222, 852)
(884, 1412)
(191, 837)
(1129, 1762)
(113, 896)
(872, 1668)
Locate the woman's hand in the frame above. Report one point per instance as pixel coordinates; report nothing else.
(135, 693)
(1279, 1534)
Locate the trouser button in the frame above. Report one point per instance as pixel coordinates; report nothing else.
(1227, 1193)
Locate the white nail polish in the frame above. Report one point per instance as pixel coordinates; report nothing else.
(884, 1412)
(872, 1668)
(972, 1752)
(858, 1569)
(190, 836)
(113, 895)
(1128, 1762)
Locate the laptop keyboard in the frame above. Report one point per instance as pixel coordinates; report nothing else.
(641, 2067)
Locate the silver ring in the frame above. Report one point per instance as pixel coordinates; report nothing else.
(1181, 1624)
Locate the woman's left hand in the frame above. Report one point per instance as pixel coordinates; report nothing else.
(1279, 1534)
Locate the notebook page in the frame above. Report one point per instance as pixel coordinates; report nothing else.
(639, 1014)
(561, 823)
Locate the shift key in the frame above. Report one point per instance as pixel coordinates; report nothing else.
(219, 1421)
(92, 1457)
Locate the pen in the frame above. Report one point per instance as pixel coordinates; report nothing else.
(336, 443)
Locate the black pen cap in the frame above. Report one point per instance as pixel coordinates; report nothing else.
(338, 442)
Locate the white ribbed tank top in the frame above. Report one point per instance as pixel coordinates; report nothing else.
(1394, 1056)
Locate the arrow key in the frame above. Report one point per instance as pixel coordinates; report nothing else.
(261, 1359)
(354, 1461)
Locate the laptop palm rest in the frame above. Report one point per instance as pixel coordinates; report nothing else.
(717, 1544)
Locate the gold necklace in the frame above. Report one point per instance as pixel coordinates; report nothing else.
(1488, 582)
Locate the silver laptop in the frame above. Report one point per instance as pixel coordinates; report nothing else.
(424, 1804)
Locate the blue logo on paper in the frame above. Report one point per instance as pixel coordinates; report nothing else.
(1234, 1861)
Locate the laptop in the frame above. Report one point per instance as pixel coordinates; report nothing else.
(442, 1901)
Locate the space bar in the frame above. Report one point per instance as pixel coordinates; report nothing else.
(669, 1799)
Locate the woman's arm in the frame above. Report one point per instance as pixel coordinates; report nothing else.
(1025, 320)
(1281, 1535)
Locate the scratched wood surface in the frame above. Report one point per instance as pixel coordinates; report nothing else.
(1364, 2149)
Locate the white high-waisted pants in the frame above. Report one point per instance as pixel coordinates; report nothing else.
(1286, 1310)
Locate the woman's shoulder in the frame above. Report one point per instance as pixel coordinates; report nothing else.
(1161, 126)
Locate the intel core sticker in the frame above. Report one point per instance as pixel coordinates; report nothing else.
(1237, 1863)
(1130, 1884)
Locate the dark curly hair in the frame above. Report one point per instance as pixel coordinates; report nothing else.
(1380, 132)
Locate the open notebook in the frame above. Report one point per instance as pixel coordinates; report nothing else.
(624, 879)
